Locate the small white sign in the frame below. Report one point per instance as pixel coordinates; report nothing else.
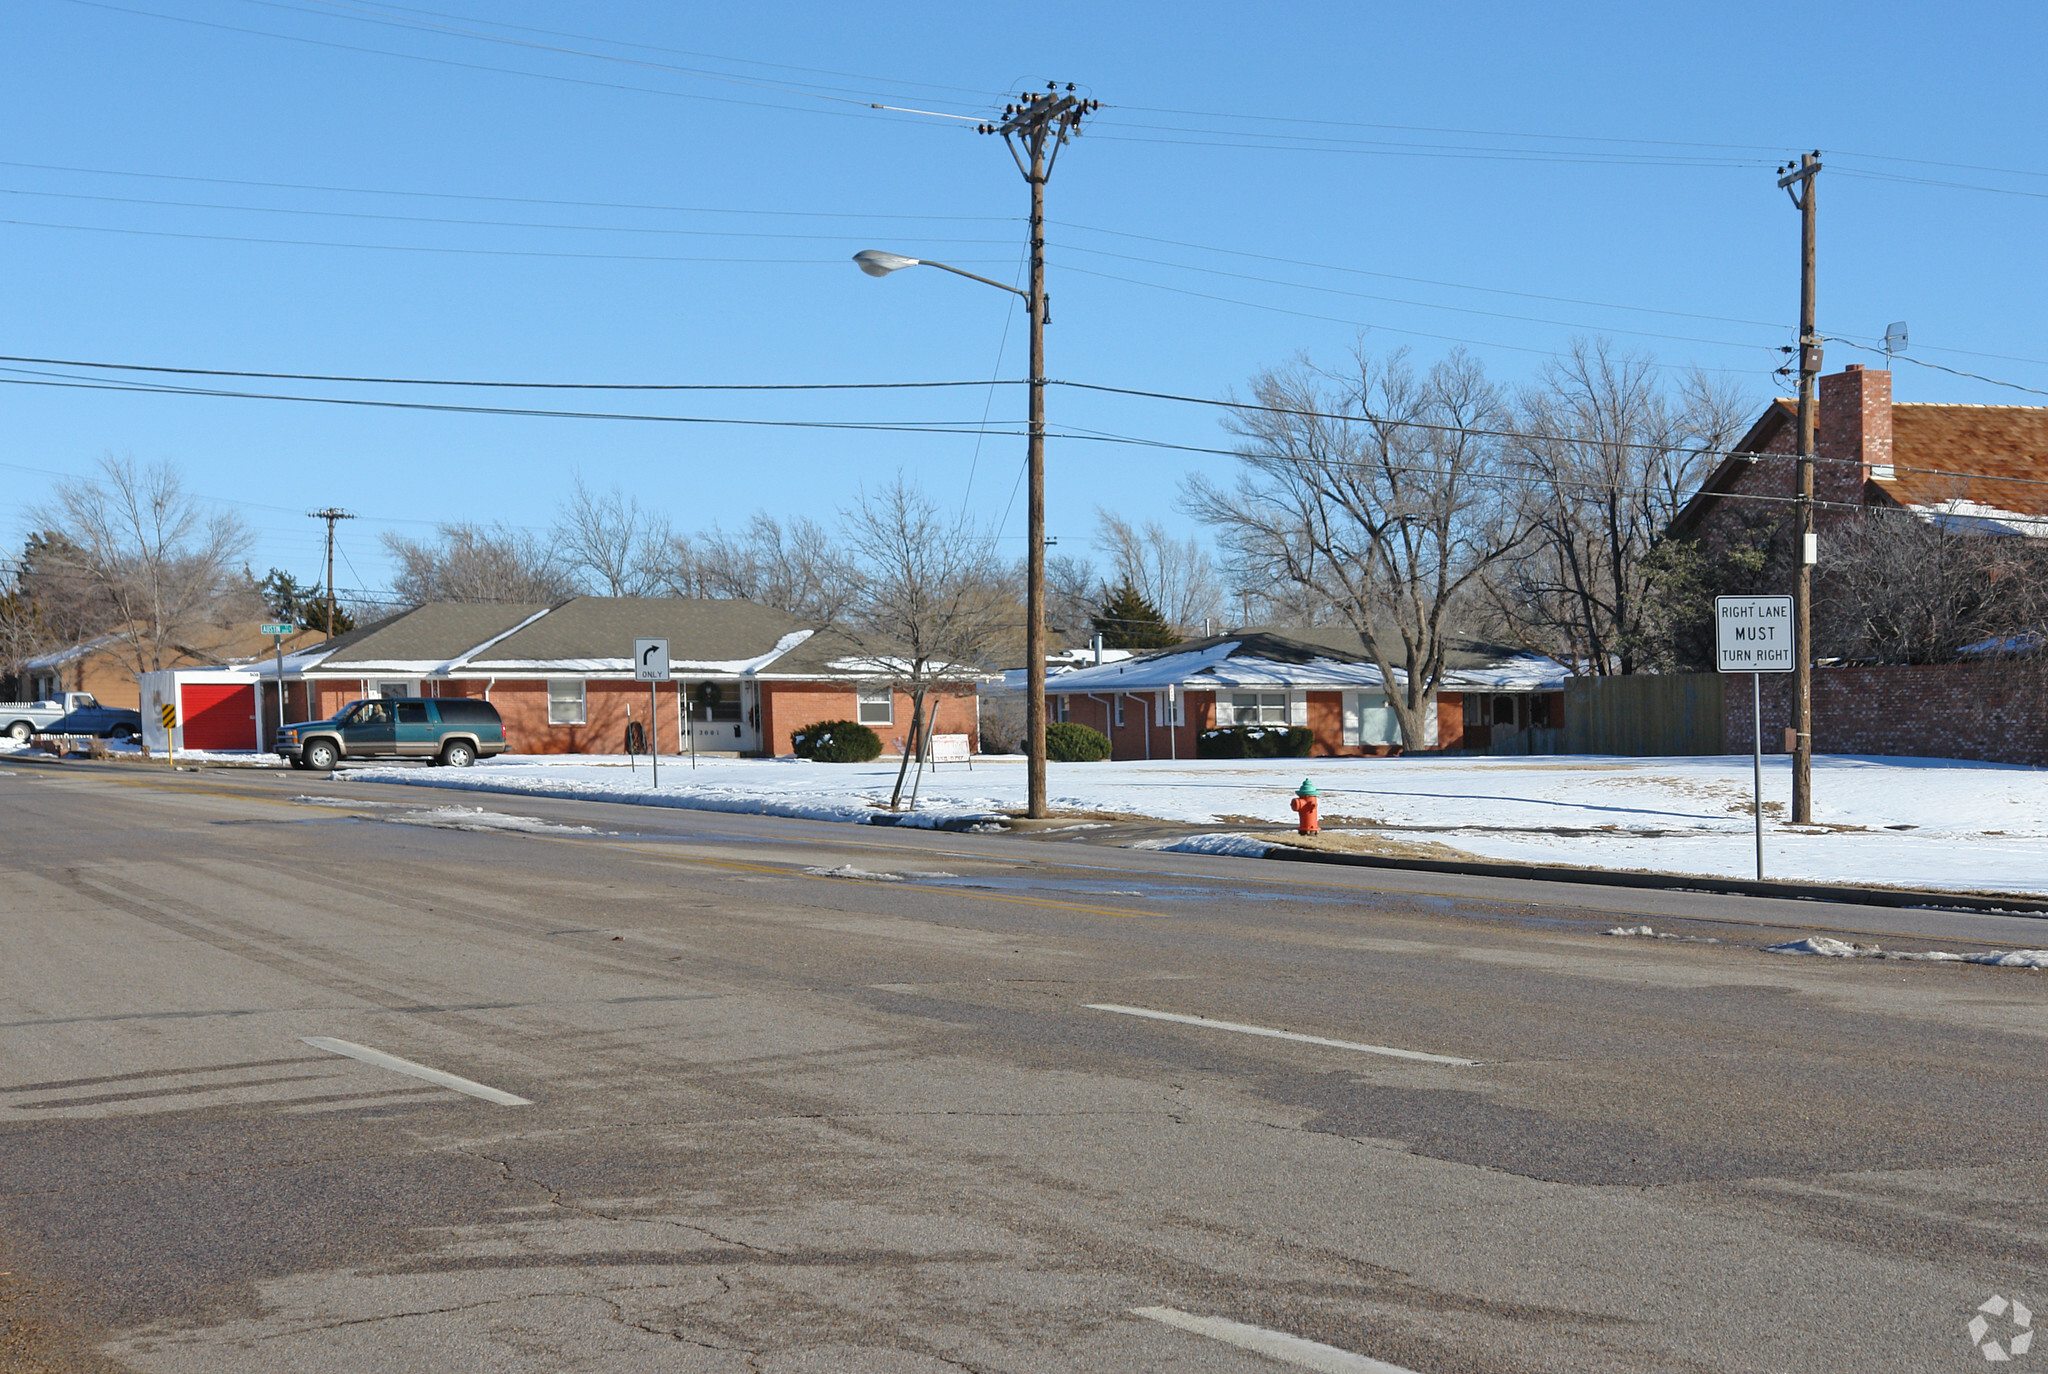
(949, 749)
(650, 660)
(1753, 634)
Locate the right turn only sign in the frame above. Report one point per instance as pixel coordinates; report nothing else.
(1753, 634)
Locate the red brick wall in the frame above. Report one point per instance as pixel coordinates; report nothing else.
(1198, 713)
(1450, 721)
(787, 707)
(1995, 712)
(1852, 430)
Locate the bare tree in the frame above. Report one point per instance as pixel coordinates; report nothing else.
(794, 567)
(1176, 575)
(1379, 490)
(1071, 593)
(144, 559)
(1607, 458)
(935, 597)
(467, 562)
(1899, 588)
(608, 541)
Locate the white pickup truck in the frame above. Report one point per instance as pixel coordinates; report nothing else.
(70, 713)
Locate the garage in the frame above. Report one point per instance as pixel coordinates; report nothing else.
(218, 715)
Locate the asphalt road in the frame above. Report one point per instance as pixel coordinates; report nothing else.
(735, 1094)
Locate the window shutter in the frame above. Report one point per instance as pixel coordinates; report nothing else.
(1297, 708)
(1351, 718)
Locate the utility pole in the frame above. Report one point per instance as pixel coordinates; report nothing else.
(1035, 128)
(330, 515)
(1804, 177)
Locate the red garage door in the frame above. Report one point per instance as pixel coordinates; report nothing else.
(219, 715)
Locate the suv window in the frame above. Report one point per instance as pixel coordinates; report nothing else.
(412, 712)
(465, 711)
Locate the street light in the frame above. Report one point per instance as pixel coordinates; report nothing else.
(877, 263)
(1035, 127)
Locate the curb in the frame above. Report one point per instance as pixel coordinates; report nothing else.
(1679, 882)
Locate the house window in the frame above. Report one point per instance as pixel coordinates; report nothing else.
(1473, 701)
(565, 701)
(1119, 699)
(1369, 720)
(1170, 707)
(1059, 709)
(877, 706)
(1258, 708)
(716, 701)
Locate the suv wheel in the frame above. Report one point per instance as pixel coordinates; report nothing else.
(458, 753)
(322, 755)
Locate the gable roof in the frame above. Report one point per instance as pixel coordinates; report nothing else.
(1778, 414)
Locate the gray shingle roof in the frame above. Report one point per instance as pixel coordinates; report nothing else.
(595, 628)
(435, 633)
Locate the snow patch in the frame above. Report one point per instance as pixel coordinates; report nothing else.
(1240, 846)
(1827, 948)
(1652, 933)
(476, 818)
(862, 874)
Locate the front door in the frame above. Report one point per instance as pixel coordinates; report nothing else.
(725, 718)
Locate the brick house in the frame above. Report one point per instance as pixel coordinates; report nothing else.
(1155, 705)
(1875, 452)
(562, 675)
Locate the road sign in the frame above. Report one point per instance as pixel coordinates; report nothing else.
(650, 660)
(1753, 634)
(280, 630)
(170, 715)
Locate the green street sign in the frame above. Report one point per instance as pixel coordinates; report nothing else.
(280, 630)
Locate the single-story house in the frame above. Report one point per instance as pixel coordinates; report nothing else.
(744, 677)
(1155, 705)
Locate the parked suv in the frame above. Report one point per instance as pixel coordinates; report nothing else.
(451, 730)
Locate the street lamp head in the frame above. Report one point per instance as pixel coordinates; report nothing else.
(876, 263)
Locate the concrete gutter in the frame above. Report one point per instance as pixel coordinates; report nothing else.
(1679, 882)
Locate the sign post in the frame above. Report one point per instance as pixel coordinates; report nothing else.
(277, 633)
(650, 665)
(1753, 634)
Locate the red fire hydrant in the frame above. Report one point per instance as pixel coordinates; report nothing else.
(1304, 804)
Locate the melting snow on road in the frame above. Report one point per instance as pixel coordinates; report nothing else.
(1828, 948)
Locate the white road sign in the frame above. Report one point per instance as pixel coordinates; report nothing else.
(650, 660)
(1753, 634)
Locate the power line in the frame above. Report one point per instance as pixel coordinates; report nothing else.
(451, 220)
(526, 386)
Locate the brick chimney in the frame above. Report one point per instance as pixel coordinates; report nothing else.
(1854, 426)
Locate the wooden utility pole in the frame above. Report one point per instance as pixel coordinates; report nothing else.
(330, 515)
(1804, 177)
(1035, 128)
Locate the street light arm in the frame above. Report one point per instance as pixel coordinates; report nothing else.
(985, 281)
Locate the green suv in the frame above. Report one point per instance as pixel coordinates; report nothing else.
(453, 730)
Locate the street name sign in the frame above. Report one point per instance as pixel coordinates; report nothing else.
(650, 660)
(280, 631)
(1753, 634)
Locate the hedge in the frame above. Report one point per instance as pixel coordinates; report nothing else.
(837, 741)
(1255, 742)
(1069, 742)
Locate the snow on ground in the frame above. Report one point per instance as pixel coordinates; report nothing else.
(1888, 821)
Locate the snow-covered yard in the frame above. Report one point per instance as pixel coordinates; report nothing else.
(1887, 821)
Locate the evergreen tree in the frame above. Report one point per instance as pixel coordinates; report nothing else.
(1126, 620)
(290, 599)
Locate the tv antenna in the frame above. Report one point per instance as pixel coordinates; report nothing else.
(1894, 340)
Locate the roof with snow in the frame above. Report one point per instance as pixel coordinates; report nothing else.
(1320, 658)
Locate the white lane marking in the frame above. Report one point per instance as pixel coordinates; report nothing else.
(406, 1066)
(1279, 1034)
(1274, 1345)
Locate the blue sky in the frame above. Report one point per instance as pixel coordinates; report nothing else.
(355, 188)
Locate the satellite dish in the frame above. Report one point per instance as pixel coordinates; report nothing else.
(1894, 339)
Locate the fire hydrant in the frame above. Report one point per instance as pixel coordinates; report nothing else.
(1304, 805)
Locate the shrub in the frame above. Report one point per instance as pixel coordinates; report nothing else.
(837, 741)
(1255, 742)
(1068, 742)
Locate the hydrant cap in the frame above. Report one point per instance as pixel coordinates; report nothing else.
(1308, 789)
